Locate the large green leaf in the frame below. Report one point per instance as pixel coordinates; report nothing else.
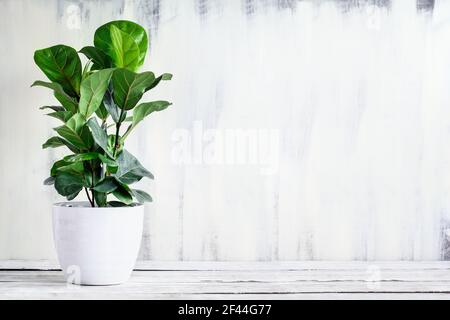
(108, 184)
(141, 196)
(69, 103)
(124, 41)
(98, 57)
(62, 65)
(92, 91)
(129, 87)
(144, 109)
(76, 132)
(129, 169)
(100, 198)
(68, 184)
(55, 142)
(100, 136)
(123, 193)
(64, 166)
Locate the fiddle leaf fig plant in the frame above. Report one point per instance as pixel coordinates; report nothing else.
(99, 108)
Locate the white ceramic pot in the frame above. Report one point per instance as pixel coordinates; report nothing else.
(97, 246)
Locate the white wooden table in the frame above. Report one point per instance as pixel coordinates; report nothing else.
(240, 280)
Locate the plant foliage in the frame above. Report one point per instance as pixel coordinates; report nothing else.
(96, 100)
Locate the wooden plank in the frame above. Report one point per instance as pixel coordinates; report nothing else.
(250, 265)
(243, 280)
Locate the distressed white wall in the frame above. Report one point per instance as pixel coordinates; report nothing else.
(346, 106)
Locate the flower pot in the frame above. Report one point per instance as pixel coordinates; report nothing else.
(97, 246)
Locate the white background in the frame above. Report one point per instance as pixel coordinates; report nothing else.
(357, 98)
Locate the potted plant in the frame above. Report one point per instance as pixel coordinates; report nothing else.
(98, 240)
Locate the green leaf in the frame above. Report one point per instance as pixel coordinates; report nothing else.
(49, 181)
(55, 142)
(141, 196)
(69, 103)
(64, 166)
(144, 109)
(110, 105)
(123, 38)
(61, 115)
(123, 194)
(72, 196)
(100, 136)
(68, 184)
(163, 77)
(129, 87)
(62, 65)
(81, 157)
(107, 161)
(100, 199)
(75, 132)
(117, 204)
(92, 91)
(101, 112)
(111, 144)
(98, 57)
(108, 184)
(58, 164)
(54, 108)
(130, 170)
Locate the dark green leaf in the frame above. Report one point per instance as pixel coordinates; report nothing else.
(144, 109)
(54, 108)
(100, 199)
(141, 196)
(130, 170)
(61, 115)
(124, 41)
(123, 194)
(107, 161)
(108, 184)
(76, 132)
(72, 196)
(129, 87)
(101, 112)
(110, 105)
(68, 184)
(163, 77)
(98, 57)
(49, 181)
(55, 142)
(99, 135)
(62, 65)
(69, 103)
(92, 91)
(117, 204)
(64, 166)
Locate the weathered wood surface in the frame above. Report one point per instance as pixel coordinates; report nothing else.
(227, 280)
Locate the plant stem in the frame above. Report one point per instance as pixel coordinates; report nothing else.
(116, 140)
(92, 184)
(89, 198)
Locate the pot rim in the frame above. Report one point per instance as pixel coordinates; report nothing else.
(85, 205)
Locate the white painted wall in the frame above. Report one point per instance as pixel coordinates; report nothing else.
(348, 107)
